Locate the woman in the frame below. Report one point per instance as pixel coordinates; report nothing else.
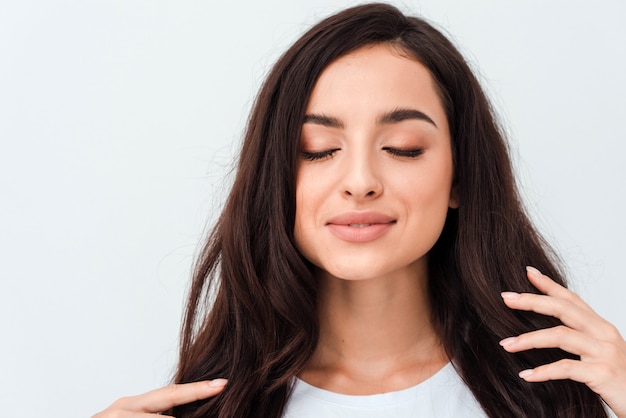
(373, 244)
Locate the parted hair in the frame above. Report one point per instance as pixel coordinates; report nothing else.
(251, 314)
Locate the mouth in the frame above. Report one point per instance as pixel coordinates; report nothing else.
(361, 219)
(360, 227)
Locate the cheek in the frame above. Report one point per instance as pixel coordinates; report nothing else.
(304, 232)
(312, 191)
(428, 193)
(297, 230)
(312, 194)
(298, 226)
(304, 215)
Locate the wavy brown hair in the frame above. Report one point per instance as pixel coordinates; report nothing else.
(251, 315)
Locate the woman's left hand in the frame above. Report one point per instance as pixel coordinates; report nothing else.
(602, 350)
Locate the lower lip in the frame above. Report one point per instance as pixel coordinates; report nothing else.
(363, 234)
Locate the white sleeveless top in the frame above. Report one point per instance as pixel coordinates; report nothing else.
(444, 395)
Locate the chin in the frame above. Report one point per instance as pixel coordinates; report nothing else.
(362, 267)
(359, 271)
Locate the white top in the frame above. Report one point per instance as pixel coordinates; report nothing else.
(441, 396)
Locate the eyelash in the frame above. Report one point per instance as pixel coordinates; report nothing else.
(314, 156)
(406, 153)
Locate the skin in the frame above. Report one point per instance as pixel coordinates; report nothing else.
(602, 350)
(401, 168)
(150, 404)
(366, 286)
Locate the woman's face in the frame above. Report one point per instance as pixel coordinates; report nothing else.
(374, 179)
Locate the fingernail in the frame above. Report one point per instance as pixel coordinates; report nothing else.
(216, 383)
(525, 373)
(533, 272)
(510, 295)
(508, 341)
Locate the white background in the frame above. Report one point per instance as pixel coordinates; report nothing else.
(119, 121)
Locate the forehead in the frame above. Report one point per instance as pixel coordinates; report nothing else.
(375, 79)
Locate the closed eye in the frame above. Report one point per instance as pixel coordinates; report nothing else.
(407, 153)
(320, 155)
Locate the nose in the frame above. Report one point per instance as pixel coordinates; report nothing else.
(361, 179)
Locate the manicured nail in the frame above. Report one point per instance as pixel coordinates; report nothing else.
(508, 341)
(510, 295)
(533, 272)
(216, 383)
(525, 373)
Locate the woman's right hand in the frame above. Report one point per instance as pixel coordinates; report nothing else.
(150, 404)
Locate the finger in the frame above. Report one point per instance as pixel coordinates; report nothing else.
(601, 377)
(107, 413)
(562, 304)
(551, 288)
(569, 313)
(560, 336)
(566, 369)
(173, 395)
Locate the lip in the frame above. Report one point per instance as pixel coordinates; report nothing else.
(360, 226)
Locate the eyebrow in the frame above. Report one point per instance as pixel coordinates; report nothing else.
(328, 121)
(399, 115)
(395, 116)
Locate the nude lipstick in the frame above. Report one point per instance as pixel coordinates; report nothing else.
(360, 227)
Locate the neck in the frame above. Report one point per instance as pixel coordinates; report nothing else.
(376, 335)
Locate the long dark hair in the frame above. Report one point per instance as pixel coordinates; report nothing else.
(251, 315)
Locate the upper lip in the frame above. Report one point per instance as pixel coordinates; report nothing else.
(360, 218)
